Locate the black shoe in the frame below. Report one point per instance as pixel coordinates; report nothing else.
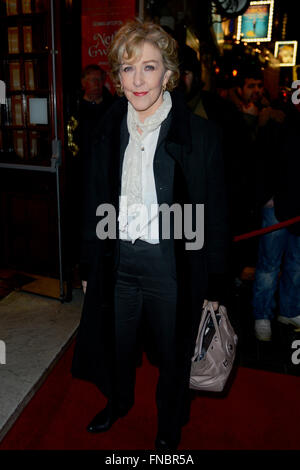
(104, 420)
(163, 444)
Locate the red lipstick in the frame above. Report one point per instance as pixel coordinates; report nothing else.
(140, 93)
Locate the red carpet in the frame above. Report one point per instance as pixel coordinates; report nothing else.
(261, 412)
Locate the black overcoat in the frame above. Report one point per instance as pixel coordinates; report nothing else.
(194, 144)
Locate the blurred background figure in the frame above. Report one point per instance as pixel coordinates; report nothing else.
(88, 111)
(210, 105)
(190, 77)
(95, 101)
(280, 249)
(259, 132)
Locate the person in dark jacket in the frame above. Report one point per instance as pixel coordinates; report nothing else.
(257, 128)
(95, 101)
(279, 250)
(86, 115)
(152, 156)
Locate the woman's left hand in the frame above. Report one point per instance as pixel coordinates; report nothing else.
(214, 304)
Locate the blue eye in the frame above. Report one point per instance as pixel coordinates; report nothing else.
(127, 68)
(150, 67)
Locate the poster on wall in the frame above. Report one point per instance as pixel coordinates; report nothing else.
(255, 25)
(99, 23)
(286, 52)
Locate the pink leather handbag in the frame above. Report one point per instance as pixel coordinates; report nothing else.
(215, 351)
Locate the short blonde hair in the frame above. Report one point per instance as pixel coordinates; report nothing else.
(128, 42)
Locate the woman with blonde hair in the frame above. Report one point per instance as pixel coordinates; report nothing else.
(154, 166)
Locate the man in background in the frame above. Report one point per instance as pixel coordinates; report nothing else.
(95, 101)
(279, 250)
(85, 121)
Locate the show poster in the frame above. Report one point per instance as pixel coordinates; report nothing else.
(256, 23)
(286, 53)
(99, 23)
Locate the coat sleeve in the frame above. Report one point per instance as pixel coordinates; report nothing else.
(90, 246)
(216, 214)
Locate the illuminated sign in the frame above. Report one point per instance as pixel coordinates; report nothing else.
(100, 20)
(286, 52)
(255, 25)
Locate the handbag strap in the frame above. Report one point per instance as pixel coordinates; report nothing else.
(208, 310)
(214, 317)
(204, 318)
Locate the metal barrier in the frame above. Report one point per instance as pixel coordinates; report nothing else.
(264, 230)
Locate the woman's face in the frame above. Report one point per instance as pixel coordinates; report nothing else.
(143, 80)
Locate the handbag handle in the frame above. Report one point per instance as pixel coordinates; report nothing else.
(208, 309)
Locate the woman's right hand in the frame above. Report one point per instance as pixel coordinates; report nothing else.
(84, 286)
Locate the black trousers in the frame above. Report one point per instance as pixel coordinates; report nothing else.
(147, 286)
